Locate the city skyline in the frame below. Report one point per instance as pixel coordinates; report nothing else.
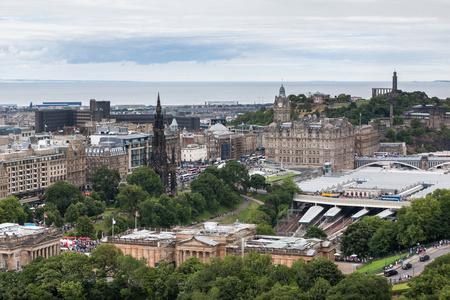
(251, 41)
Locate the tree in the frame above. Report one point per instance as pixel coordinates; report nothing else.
(315, 232)
(105, 258)
(264, 229)
(360, 287)
(434, 282)
(235, 175)
(282, 292)
(105, 182)
(384, 240)
(257, 181)
(74, 211)
(420, 222)
(319, 290)
(322, 268)
(11, 211)
(356, 237)
(62, 194)
(85, 227)
(147, 179)
(130, 196)
(214, 191)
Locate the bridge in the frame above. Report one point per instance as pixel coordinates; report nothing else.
(351, 202)
(418, 162)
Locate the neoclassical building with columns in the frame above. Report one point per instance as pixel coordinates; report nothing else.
(19, 245)
(211, 240)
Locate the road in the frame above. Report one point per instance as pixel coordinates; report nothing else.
(417, 266)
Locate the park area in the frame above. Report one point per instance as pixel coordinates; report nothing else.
(376, 266)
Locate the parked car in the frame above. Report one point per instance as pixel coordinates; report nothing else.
(407, 266)
(390, 272)
(424, 257)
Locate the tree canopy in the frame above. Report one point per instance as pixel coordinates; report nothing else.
(62, 194)
(105, 183)
(147, 179)
(11, 211)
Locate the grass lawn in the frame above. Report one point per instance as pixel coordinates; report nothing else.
(244, 216)
(377, 265)
(206, 215)
(275, 178)
(100, 225)
(262, 197)
(401, 287)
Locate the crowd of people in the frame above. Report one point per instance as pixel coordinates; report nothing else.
(78, 244)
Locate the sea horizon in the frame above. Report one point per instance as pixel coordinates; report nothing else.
(24, 91)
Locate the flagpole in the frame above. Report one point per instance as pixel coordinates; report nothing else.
(113, 221)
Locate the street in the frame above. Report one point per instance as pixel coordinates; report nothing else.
(417, 266)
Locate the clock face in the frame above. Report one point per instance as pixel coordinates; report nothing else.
(280, 104)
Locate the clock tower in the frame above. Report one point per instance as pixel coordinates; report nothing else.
(281, 107)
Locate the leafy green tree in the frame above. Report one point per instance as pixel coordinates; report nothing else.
(364, 287)
(282, 292)
(196, 201)
(147, 179)
(105, 258)
(85, 227)
(235, 175)
(105, 183)
(130, 196)
(260, 117)
(62, 194)
(315, 232)
(215, 191)
(319, 290)
(11, 211)
(71, 290)
(433, 283)
(257, 181)
(49, 215)
(356, 237)
(384, 240)
(264, 229)
(421, 222)
(74, 211)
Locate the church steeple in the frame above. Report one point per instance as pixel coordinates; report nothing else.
(160, 162)
(158, 105)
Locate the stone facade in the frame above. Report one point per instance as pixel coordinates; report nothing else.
(309, 142)
(367, 140)
(114, 158)
(28, 172)
(19, 245)
(76, 163)
(215, 240)
(282, 107)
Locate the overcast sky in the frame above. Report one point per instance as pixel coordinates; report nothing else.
(225, 40)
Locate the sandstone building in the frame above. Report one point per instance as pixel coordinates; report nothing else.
(19, 245)
(309, 142)
(213, 240)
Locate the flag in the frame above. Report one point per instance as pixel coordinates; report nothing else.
(113, 221)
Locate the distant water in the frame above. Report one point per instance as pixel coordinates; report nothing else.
(176, 93)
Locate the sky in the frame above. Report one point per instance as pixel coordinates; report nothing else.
(227, 40)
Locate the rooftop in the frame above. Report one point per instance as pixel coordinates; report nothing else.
(381, 178)
(269, 242)
(16, 230)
